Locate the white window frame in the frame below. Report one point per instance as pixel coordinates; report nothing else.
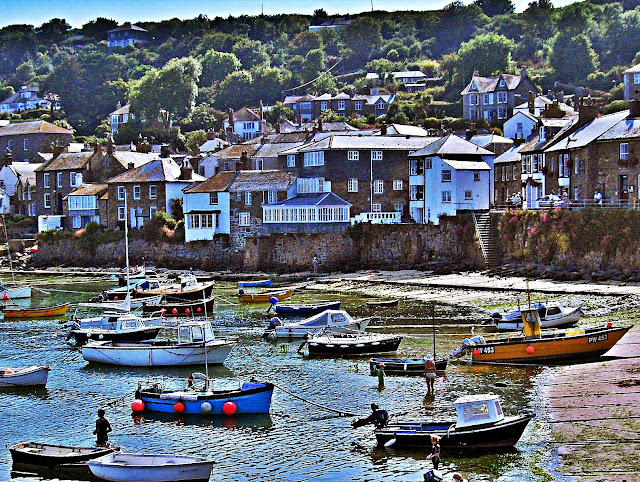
(376, 208)
(398, 208)
(248, 198)
(47, 200)
(121, 213)
(152, 211)
(502, 97)
(214, 198)
(46, 180)
(324, 105)
(353, 155)
(352, 184)
(624, 151)
(376, 155)
(446, 197)
(25, 144)
(428, 163)
(244, 219)
(153, 191)
(136, 192)
(10, 145)
(636, 78)
(58, 179)
(397, 184)
(291, 160)
(73, 179)
(357, 105)
(472, 99)
(121, 193)
(342, 105)
(272, 197)
(378, 186)
(314, 158)
(446, 175)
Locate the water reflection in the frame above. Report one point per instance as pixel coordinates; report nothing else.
(254, 421)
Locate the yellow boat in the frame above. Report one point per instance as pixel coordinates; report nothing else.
(263, 297)
(549, 346)
(44, 312)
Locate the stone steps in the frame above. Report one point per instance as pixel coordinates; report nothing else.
(486, 233)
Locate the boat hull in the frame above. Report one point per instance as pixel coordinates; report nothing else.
(83, 336)
(285, 331)
(193, 308)
(309, 309)
(409, 366)
(252, 398)
(48, 455)
(382, 304)
(144, 354)
(498, 435)
(199, 293)
(335, 347)
(264, 297)
(16, 293)
(583, 345)
(33, 376)
(150, 468)
(45, 312)
(569, 318)
(255, 284)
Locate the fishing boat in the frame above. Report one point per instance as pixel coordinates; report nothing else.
(255, 284)
(202, 307)
(346, 344)
(382, 303)
(126, 467)
(186, 288)
(334, 320)
(264, 296)
(115, 326)
(307, 308)
(404, 366)
(552, 315)
(43, 312)
(195, 345)
(48, 455)
(201, 399)
(537, 346)
(32, 376)
(14, 292)
(123, 305)
(480, 425)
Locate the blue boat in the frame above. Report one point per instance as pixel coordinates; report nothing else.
(251, 397)
(255, 284)
(307, 308)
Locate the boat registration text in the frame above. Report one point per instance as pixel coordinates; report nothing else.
(596, 339)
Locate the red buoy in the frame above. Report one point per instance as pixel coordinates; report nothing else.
(162, 311)
(174, 311)
(530, 350)
(9, 371)
(609, 324)
(178, 407)
(48, 313)
(115, 297)
(198, 309)
(187, 311)
(137, 406)
(476, 352)
(229, 408)
(25, 313)
(4, 296)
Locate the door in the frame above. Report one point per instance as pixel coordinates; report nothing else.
(623, 188)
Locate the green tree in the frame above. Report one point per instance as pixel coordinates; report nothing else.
(202, 117)
(53, 31)
(268, 83)
(565, 50)
(173, 88)
(491, 8)
(233, 90)
(216, 66)
(325, 83)
(488, 53)
(361, 37)
(251, 53)
(195, 139)
(306, 41)
(97, 29)
(313, 64)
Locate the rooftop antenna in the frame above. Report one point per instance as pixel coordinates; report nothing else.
(372, 5)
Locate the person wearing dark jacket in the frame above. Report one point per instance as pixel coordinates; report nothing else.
(378, 417)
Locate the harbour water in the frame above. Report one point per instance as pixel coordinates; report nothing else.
(296, 441)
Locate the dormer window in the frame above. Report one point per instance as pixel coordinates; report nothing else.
(502, 83)
(543, 134)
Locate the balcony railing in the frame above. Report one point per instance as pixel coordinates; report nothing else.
(377, 218)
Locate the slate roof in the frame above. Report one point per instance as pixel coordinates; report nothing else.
(623, 129)
(127, 26)
(589, 132)
(89, 190)
(408, 73)
(245, 114)
(235, 151)
(632, 70)
(159, 170)
(213, 144)
(510, 155)
(467, 165)
(122, 110)
(540, 101)
(32, 127)
(68, 161)
(366, 142)
(405, 130)
(484, 140)
(16, 97)
(489, 84)
(137, 158)
(319, 199)
(269, 180)
(451, 145)
(25, 170)
(272, 150)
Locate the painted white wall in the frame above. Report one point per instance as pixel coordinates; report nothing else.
(511, 125)
(200, 202)
(9, 180)
(173, 190)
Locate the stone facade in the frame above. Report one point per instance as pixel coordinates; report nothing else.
(142, 207)
(34, 142)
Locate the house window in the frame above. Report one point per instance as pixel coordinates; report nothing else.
(291, 160)
(378, 186)
(73, 179)
(272, 197)
(502, 98)
(543, 134)
(397, 184)
(152, 211)
(381, 105)
(153, 191)
(519, 128)
(76, 222)
(472, 99)
(415, 167)
(446, 196)
(352, 185)
(120, 193)
(305, 105)
(416, 193)
(376, 208)
(624, 151)
(45, 180)
(25, 144)
(502, 112)
(446, 175)
(136, 193)
(82, 203)
(314, 158)
(323, 105)
(59, 179)
(476, 176)
(358, 105)
(468, 195)
(428, 163)
(491, 98)
(353, 155)
(47, 200)
(486, 99)
(194, 221)
(563, 166)
(341, 105)
(636, 78)
(243, 219)
(376, 155)
(213, 198)
(398, 208)
(515, 172)
(247, 126)
(120, 213)
(247, 198)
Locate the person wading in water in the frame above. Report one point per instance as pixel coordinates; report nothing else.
(103, 427)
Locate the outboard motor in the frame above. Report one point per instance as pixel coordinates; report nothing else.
(275, 321)
(477, 340)
(433, 476)
(464, 344)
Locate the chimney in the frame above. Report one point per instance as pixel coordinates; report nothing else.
(587, 110)
(531, 102)
(261, 111)
(164, 151)
(476, 73)
(57, 149)
(118, 105)
(186, 171)
(383, 129)
(8, 158)
(518, 140)
(110, 145)
(241, 165)
(231, 117)
(634, 105)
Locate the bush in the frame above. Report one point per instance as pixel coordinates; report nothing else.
(615, 106)
(160, 228)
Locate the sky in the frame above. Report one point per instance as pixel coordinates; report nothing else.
(79, 12)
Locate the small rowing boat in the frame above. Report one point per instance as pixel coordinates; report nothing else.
(34, 453)
(255, 284)
(404, 366)
(43, 312)
(307, 308)
(264, 297)
(125, 467)
(552, 315)
(382, 303)
(33, 376)
(345, 344)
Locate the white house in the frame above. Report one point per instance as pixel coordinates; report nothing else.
(15, 175)
(127, 34)
(520, 125)
(448, 176)
(246, 124)
(119, 116)
(25, 99)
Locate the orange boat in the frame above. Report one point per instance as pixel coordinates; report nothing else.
(44, 312)
(264, 297)
(536, 346)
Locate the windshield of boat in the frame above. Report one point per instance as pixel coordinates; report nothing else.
(184, 334)
(476, 412)
(208, 333)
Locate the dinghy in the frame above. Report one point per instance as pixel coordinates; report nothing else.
(552, 315)
(264, 296)
(34, 453)
(125, 467)
(307, 309)
(345, 344)
(115, 327)
(43, 312)
(255, 284)
(33, 376)
(404, 366)
(337, 321)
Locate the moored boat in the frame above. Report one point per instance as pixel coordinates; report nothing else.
(404, 366)
(255, 284)
(552, 315)
(537, 346)
(345, 344)
(264, 296)
(126, 467)
(43, 312)
(187, 288)
(32, 376)
(195, 345)
(49, 455)
(115, 327)
(306, 308)
(480, 425)
(336, 321)
(382, 303)
(14, 292)
(201, 399)
(194, 307)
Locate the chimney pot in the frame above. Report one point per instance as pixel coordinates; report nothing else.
(130, 165)
(164, 150)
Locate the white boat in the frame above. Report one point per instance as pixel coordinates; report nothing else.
(125, 467)
(15, 292)
(33, 376)
(122, 305)
(115, 326)
(335, 321)
(196, 345)
(552, 315)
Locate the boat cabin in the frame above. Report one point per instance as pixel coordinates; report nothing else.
(126, 323)
(328, 318)
(478, 410)
(531, 323)
(195, 332)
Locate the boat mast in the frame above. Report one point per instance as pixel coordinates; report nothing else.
(126, 248)
(6, 236)
(433, 326)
